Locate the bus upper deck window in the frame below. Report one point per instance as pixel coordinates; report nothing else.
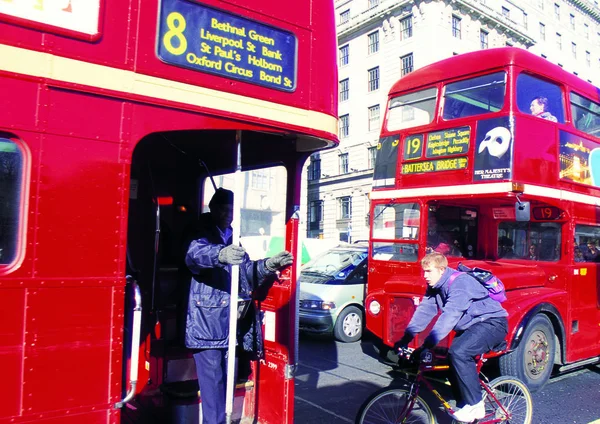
(475, 96)
(411, 110)
(540, 98)
(11, 181)
(586, 114)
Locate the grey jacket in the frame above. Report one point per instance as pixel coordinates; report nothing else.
(464, 303)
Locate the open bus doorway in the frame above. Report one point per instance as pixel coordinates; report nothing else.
(170, 188)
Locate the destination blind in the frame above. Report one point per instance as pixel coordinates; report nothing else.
(209, 40)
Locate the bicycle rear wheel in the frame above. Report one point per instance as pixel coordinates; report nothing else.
(387, 406)
(513, 395)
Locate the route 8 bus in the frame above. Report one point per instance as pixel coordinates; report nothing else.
(491, 158)
(113, 116)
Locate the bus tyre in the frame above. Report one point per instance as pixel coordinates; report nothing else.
(533, 359)
(349, 325)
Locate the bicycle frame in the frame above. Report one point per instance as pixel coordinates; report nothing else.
(420, 378)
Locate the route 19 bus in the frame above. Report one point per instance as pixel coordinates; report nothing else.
(492, 158)
(112, 114)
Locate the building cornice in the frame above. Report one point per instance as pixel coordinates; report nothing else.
(495, 19)
(364, 19)
(587, 7)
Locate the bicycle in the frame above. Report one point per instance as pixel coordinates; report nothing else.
(507, 399)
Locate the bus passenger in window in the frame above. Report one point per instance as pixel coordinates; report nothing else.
(505, 248)
(539, 108)
(579, 255)
(532, 255)
(592, 255)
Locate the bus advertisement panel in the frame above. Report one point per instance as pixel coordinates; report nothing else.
(490, 158)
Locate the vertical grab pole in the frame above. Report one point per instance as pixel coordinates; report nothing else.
(235, 273)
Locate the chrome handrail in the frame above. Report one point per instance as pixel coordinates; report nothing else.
(135, 343)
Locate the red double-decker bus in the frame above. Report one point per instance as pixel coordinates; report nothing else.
(491, 158)
(112, 114)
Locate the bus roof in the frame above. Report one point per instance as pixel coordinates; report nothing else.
(483, 60)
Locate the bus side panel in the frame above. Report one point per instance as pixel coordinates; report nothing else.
(11, 353)
(67, 349)
(77, 197)
(583, 328)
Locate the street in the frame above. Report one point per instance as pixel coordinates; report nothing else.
(335, 378)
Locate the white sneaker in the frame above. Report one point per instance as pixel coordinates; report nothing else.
(470, 413)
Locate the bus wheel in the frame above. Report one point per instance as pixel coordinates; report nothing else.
(533, 359)
(349, 325)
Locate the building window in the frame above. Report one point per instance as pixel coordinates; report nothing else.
(557, 11)
(406, 28)
(344, 89)
(505, 12)
(588, 58)
(407, 64)
(344, 55)
(345, 16)
(525, 20)
(586, 31)
(542, 31)
(373, 3)
(456, 26)
(373, 78)
(572, 21)
(345, 205)
(344, 126)
(343, 163)
(314, 169)
(483, 38)
(260, 180)
(374, 42)
(541, 4)
(373, 118)
(315, 211)
(371, 157)
(558, 41)
(574, 50)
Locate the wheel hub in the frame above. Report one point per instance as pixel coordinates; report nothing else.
(536, 354)
(351, 325)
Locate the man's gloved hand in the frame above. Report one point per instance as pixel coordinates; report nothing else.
(232, 255)
(279, 261)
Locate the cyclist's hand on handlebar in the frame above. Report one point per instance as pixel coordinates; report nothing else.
(421, 354)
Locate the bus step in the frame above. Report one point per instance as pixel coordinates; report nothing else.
(583, 363)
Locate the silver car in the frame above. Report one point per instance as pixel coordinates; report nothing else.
(332, 289)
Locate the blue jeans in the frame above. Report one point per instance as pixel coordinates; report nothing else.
(211, 368)
(477, 339)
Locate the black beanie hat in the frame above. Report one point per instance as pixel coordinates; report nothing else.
(221, 197)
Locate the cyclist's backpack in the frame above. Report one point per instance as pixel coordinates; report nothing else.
(494, 286)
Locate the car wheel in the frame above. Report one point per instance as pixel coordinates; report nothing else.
(349, 325)
(533, 359)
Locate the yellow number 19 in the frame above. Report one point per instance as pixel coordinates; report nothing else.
(176, 24)
(413, 146)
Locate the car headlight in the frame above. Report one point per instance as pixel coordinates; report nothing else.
(317, 304)
(374, 307)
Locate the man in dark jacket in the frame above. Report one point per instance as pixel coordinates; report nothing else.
(479, 321)
(209, 258)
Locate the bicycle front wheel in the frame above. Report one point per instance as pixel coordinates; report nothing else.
(514, 401)
(388, 406)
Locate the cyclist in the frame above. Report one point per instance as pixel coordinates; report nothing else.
(479, 321)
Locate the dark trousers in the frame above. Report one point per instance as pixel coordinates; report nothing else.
(477, 339)
(211, 368)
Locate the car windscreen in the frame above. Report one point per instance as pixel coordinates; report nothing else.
(334, 261)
